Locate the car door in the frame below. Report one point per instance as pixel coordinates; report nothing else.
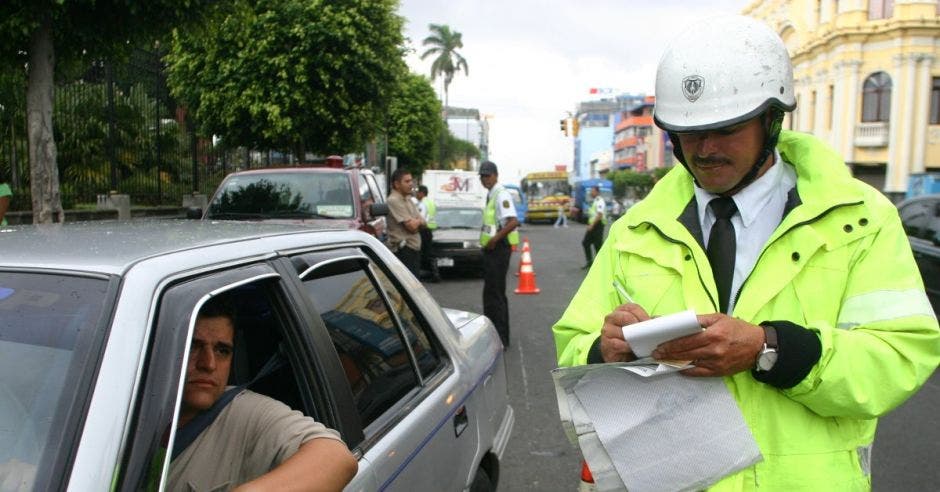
(406, 391)
(369, 193)
(273, 356)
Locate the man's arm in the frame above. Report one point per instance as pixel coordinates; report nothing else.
(318, 465)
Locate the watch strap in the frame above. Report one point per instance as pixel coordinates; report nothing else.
(770, 337)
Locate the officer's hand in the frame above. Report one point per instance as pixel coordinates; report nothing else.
(613, 346)
(490, 245)
(727, 346)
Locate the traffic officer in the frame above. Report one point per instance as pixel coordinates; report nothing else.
(497, 238)
(813, 310)
(428, 210)
(597, 220)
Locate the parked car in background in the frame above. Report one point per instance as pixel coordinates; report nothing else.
(330, 195)
(457, 238)
(921, 219)
(94, 339)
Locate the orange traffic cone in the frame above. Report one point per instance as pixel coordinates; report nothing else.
(526, 272)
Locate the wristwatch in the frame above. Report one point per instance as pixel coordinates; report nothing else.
(768, 355)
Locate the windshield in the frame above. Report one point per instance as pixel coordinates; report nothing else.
(459, 218)
(284, 195)
(536, 190)
(46, 323)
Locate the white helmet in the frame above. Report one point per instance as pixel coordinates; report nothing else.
(722, 71)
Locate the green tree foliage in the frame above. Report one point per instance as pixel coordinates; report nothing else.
(635, 184)
(443, 44)
(313, 75)
(457, 150)
(414, 123)
(47, 34)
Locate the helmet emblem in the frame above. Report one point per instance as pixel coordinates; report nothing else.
(692, 87)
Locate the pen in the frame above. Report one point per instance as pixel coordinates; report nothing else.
(623, 292)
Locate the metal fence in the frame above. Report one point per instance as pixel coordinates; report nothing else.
(117, 128)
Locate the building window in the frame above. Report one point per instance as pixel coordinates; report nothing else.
(876, 97)
(935, 102)
(880, 9)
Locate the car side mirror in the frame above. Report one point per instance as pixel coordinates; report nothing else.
(193, 213)
(378, 209)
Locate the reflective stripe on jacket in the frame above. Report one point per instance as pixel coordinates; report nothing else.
(839, 264)
(490, 224)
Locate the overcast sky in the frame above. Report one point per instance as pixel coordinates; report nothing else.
(532, 61)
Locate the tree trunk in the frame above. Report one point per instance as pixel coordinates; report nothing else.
(44, 174)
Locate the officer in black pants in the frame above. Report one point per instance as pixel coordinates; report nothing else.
(497, 238)
(594, 235)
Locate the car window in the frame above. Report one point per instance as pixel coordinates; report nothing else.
(283, 195)
(46, 324)
(376, 189)
(365, 193)
(932, 227)
(417, 333)
(459, 218)
(378, 347)
(915, 217)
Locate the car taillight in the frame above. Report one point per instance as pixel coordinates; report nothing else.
(586, 473)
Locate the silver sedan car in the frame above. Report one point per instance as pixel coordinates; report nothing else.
(95, 328)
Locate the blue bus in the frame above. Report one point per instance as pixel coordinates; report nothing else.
(582, 196)
(518, 199)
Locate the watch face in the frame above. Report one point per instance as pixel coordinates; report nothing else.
(767, 360)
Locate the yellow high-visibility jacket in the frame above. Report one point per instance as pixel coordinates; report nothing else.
(839, 266)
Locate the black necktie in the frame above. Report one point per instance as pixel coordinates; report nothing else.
(721, 247)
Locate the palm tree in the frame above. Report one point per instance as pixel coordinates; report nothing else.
(444, 44)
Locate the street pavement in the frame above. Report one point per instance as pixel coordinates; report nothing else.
(539, 457)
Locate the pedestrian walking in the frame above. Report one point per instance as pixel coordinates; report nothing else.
(405, 221)
(497, 238)
(597, 221)
(813, 309)
(428, 210)
(562, 220)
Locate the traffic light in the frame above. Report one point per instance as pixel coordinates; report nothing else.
(575, 127)
(564, 126)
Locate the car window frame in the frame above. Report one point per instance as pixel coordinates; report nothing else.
(175, 302)
(361, 438)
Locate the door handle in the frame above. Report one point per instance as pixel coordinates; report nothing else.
(460, 421)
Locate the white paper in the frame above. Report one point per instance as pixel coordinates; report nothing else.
(645, 336)
(670, 433)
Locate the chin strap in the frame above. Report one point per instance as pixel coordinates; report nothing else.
(773, 123)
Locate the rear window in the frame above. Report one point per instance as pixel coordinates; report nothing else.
(46, 322)
(283, 195)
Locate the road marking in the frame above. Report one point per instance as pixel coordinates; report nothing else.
(525, 378)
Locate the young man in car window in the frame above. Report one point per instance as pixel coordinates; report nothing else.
(254, 442)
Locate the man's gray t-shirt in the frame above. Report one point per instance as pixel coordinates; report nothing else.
(249, 438)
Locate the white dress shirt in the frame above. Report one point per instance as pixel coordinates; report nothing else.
(760, 209)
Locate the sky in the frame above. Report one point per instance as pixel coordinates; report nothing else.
(531, 62)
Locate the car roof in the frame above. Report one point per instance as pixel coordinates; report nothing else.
(111, 247)
(279, 170)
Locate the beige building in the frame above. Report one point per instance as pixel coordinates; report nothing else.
(867, 80)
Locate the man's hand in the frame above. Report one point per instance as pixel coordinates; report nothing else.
(613, 346)
(727, 346)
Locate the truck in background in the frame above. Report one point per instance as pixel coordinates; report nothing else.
(460, 198)
(545, 193)
(454, 188)
(582, 197)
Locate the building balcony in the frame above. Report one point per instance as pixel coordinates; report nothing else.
(873, 134)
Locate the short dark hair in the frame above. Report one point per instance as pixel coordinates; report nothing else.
(423, 189)
(399, 173)
(218, 306)
(596, 187)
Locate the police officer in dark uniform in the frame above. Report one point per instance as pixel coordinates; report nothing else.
(497, 238)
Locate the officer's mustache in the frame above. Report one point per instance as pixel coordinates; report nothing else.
(709, 161)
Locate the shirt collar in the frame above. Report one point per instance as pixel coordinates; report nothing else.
(752, 198)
